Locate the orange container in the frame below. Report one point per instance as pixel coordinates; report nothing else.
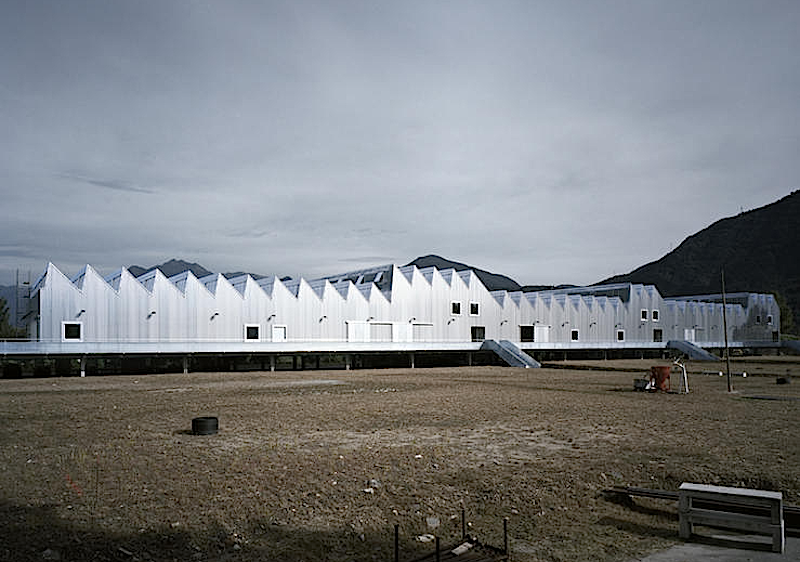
(659, 376)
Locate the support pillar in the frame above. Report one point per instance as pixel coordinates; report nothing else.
(411, 357)
(271, 362)
(469, 358)
(185, 364)
(83, 365)
(347, 361)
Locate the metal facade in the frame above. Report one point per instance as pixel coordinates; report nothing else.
(384, 305)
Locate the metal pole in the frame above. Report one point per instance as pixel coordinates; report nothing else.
(725, 328)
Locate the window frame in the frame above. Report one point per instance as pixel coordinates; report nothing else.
(64, 324)
(532, 328)
(655, 315)
(575, 335)
(283, 327)
(477, 306)
(453, 306)
(643, 315)
(247, 328)
(472, 336)
(620, 333)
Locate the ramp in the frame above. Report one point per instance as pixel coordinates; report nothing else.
(792, 346)
(510, 353)
(692, 351)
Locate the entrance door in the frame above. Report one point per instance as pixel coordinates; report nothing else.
(541, 333)
(658, 335)
(380, 332)
(357, 331)
(422, 332)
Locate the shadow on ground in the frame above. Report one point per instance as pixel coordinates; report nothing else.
(36, 533)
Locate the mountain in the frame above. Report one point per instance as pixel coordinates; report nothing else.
(171, 267)
(492, 281)
(232, 274)
(759, 249)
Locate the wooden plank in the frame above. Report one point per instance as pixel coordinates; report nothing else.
(726, 520)
(743, 493)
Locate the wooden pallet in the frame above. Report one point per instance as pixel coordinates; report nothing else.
(719, 515)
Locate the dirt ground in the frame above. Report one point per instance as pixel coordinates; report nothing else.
(320, 465)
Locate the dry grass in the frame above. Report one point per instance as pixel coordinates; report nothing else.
(104, 468)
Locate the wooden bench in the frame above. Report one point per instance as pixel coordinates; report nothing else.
(741, 509)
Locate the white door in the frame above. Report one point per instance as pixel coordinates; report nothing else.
(357, 331)
(423, 332)
(541, 334)
(279, 333)
(401, 331)
(688, 334)
(380, 332)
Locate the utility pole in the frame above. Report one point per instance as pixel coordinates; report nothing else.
(725, 328)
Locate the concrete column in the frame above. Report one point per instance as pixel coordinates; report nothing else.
(347, 361)
(271, 362)
(411, 357)
(185, 364)
(83, 365)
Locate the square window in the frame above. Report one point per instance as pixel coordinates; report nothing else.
(478, 333)
(574, 335)
(455, 308)
(251, 332)
(644, 314)
(72, 331)
(655, 316)
(526, 333)
(769, 318)
(474, 309)
(620, 335)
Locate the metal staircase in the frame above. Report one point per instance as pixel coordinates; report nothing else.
(691, 350)
(510, 353)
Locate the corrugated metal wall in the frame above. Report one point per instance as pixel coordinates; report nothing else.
(426, 305)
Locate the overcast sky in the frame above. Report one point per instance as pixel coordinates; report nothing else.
(555, 142)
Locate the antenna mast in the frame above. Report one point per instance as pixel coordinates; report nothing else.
(725, 328)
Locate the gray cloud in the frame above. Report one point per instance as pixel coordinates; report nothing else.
(118, 185)
(540, 139)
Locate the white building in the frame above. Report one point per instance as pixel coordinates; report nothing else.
(386, 307)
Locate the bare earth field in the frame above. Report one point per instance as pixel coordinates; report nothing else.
(320, 465)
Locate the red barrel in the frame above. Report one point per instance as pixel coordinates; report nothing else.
(659, 376)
